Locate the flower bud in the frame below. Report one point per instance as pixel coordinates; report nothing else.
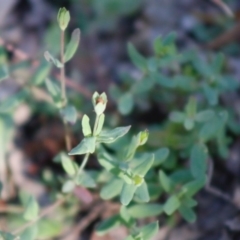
(99, 102)
(143, 137)
(63, 18)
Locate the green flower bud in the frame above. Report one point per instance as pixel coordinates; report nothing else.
(137, 180)
(63, 18)
(99, 102)
(143, 137)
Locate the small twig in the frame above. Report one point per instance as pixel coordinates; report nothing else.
(10, 209)
(224, 7)
(44, 213)
(213, 190)
(86, 221)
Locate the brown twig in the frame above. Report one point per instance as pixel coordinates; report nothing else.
(224, 7)
(212, 189)
(10, 209)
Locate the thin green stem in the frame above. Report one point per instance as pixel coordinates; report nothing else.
(86, 157)
(96, 125)
(63, 93)
(62, 73)
(84, 162)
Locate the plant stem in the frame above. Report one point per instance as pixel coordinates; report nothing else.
(45, 212)
(96, 125)
(62, 73)
(84, 162)
(63, 93)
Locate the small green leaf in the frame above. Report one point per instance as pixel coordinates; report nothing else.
(212, 94)
(138, 60)
(149, 231)
(53, 89)
(145, 210)
(188, 214)
(41, 73)
(8, 236)
(53, 60)
(69, 114)
(67, 164)
(55, 92)
(191, 108)
(4, 72)
(177, 117)
(198, 160)
(68, 186)
(142, 193)
(32, 209)
(193, 187)
(143, 167)
(171, 205)
(189, 124)
(100, 124)
(9, 104)
(86, 180)
(110, 136)
(86, 128)
(108, 224)
(212, 128)
(125, 103)
(204, 115)
(127, 193)
(166, 182)
(30, 233)
(125, 217)
(72, 45)
(143, 137)
(218, 63)
(188, 202)
(160, 156)
(49, 228)
(87, 145)
(111, 189)
(158, 46)
(130, 150)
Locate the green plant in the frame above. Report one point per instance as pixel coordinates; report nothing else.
(166, 163)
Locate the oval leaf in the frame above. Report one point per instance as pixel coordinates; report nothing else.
(52, 59)
(127, 193)
(87, 145)
(198, 162)
(32, 209)
(69, 114)
(86, 128)
(111, 189)
(145, 210)
(67, 164)
(73, 45)
(108, 224)
(112, 135)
